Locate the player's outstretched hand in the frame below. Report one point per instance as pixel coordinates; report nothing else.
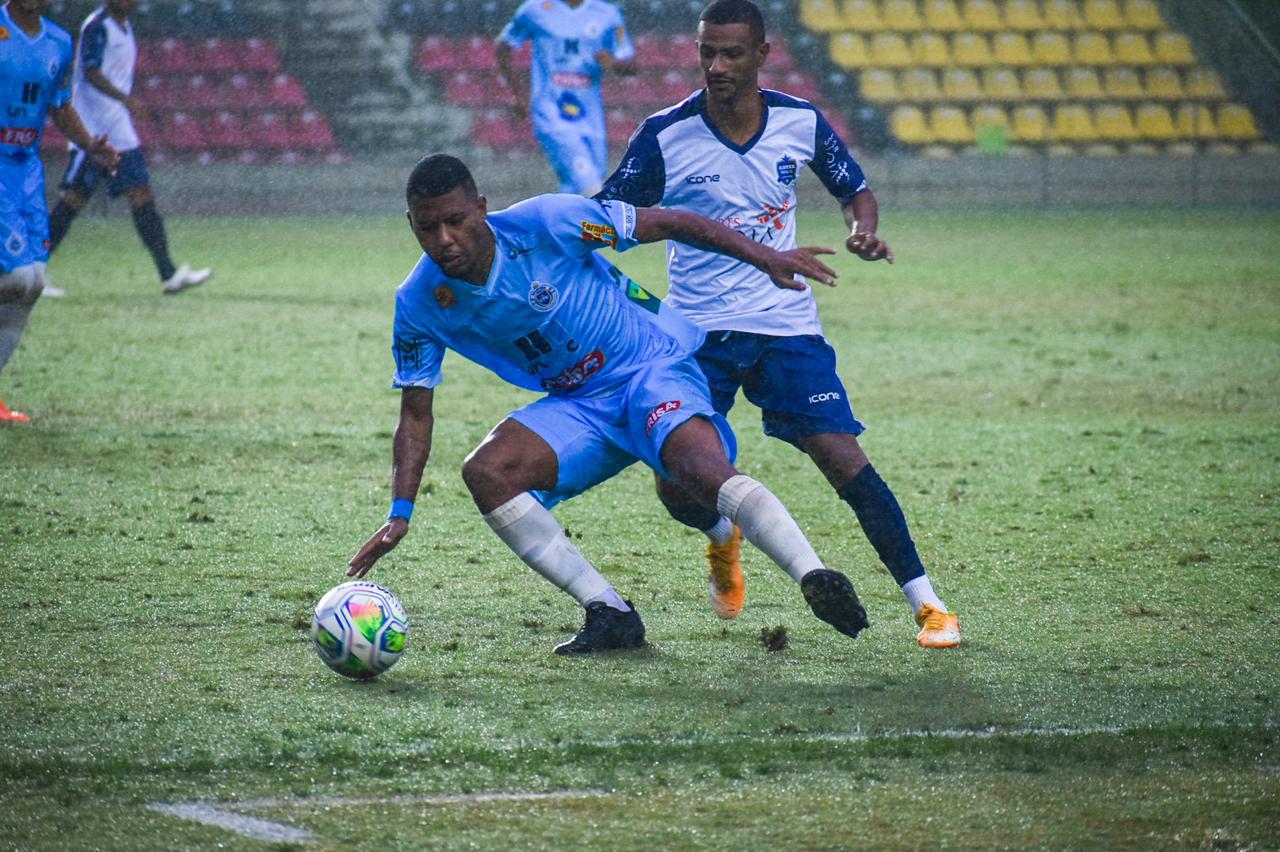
(102, 153)
(869, 247)
(785, 265)
(382, 543)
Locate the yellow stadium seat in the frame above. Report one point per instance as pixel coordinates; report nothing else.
(1030, 124)
(1101, 149)
(1103, 15)
(920, 84)
(1143, 15)
(931, 49)
(1041, 84)
(1049, 48)
(1164, 82)
(822, 16)
(902, 15)
(1205, 83)
(961, 84)
(1114, 122)
(1012, 49)
(1001, 84)
(942, 15)
(908, 124)
(1155, 122)
(1062, 15)
(863, 16)
(1122, 83)
(1023, 15)
(988, 116)
(1235, 121)
(849, 50)
(1133, 49)
(1195, 121)
(981, 15)
(971, 49)
(878, 85)
(1173, 49)
(950, 124)
(1083, 84)
(1072, 123)
(1093, 49)
(889, 50)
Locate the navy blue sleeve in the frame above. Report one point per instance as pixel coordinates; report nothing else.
(641, 176)
(833, 164)
(93, 45)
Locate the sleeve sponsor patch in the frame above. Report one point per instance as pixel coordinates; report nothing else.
(595, 232)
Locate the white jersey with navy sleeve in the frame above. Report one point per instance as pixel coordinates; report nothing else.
(565, 76)
(552, 316)
(35, 76)
(675, 159)
(107, 45)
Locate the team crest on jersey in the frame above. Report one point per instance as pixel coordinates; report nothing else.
(15, 245)
(445, 297)
(594, 232)
(787, 170)
(542, 296)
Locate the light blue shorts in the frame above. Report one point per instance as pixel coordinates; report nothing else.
(24, 216)
(579, 154)
(596, 437)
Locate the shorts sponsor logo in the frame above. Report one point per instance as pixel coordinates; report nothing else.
(660, 411)
(18, 135)
(824, 397)
(787, 170)
(593, 232)
(696, 179)
(577, 374)
(542, 296)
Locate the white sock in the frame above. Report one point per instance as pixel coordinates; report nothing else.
(920, 592)
(721, 532)
(19, 290)
(536, 537)
(767, 524)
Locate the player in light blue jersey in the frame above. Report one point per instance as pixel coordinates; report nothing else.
(574, 43)
(35, 66)
(523, 293)
(733, 152)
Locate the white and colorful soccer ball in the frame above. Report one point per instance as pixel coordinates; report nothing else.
(359, 629)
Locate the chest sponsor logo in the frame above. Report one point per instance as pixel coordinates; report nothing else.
(787, 170)
(595, 232)
(542, 296)
(824, 397)
(658, 412)
(698, 179)
(577, 374)
(18, 135)
(570, 80)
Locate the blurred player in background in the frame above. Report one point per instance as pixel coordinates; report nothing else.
(35, 73)
(733, 152)
(106, 56)
(574, 43)
(522, 293)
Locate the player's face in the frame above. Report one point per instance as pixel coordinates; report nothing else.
(451, 229)
(122, 7)
(28, 7)
(730, 60)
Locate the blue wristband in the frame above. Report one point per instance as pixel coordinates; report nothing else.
(401, 508)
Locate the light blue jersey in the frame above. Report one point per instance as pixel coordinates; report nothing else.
(565, 102)
(34, 77)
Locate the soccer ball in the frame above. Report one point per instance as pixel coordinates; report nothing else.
(359, 629)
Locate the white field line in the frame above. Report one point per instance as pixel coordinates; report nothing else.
(245, 826)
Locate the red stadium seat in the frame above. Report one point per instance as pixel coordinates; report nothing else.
(260, 55)
(467, 90)
(436, 53)
(198, 93)
(497, 129)
(147, 133)
(269, 130)
(243, 92)
(154, 91)
(476, 53)
(172, 56)
(214, 54)
(311, 131)
(651, 51)
(285, 91)
(227, 132)
(182, 132)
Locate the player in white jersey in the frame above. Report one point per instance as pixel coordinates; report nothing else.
(523, 293)
(574, 43)
(35, 69)
(102, 91)
(733, 152)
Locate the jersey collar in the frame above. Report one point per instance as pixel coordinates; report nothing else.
(14, 28)
(726, 141)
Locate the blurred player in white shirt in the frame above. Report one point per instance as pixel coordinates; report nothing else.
(106, 55)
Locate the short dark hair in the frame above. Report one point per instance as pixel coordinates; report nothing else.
(735, 12)
(438, 174)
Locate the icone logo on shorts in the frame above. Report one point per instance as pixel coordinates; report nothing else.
(660, 411)
(824, 397)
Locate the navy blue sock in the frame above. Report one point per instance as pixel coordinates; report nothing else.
(693, 515)
(59, 223)
(150, 227)
(883, 522)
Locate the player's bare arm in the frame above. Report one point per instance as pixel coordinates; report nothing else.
(517, 80)
(862, 215)
(97, 147)
(654, 224)
(410, 450)
(99, 81)
(623, 68)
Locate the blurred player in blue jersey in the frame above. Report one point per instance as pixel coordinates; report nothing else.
(733, 152)
(574, 43)
(35, 72)
(523, 293)
(101, 92)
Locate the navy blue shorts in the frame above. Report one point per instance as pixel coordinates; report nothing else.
(792, 379)
(84, 176)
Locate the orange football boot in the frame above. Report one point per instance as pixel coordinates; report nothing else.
(8, 416)
(727, 587)
(938, 628)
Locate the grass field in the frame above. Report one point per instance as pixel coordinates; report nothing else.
(1080, 412)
